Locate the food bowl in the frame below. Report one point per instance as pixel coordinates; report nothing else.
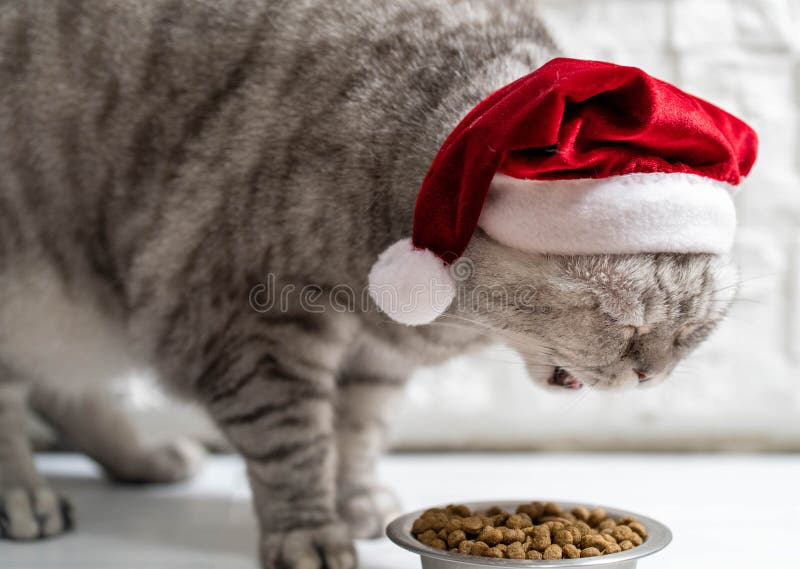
(399, 531)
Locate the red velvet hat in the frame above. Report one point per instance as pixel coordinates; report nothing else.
(579, 157)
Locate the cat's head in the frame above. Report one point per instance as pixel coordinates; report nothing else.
(606, 321)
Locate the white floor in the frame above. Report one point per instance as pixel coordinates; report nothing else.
(725, 511)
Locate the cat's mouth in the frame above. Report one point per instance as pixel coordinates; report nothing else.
(562, 378)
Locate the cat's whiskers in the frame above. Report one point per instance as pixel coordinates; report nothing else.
(573, 403)
(740, 282)
(526, 360)
(511, 335)
(748, 300)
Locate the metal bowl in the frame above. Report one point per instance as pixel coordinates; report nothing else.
(399, 531)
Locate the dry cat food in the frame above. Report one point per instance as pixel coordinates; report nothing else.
(535, 531)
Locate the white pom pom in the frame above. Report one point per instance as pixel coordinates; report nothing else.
(412, 286)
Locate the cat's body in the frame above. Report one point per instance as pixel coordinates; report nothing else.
(159, 160)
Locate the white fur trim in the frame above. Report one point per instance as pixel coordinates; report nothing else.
(412, 286)
(634, 213)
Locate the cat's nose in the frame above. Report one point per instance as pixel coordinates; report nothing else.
(641, 375)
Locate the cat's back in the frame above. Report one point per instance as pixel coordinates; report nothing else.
(95, 80)
(102, 105)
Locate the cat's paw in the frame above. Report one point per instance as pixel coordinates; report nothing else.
(172, 462)
(367, 509)
(325, 547)
(33, 514)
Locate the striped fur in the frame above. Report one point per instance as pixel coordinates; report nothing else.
(159, 159)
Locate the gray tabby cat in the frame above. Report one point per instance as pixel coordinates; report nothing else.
(160, 159)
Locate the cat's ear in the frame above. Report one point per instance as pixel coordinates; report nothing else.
(410, 285)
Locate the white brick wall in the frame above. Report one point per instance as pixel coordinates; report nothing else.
(741, 390)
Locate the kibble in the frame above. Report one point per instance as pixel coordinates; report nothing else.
(494, 552)
(607, 523)
(427, 536)
(621, 533)
(553, 509)
(500, 519)
(533, 510)
(471, 524)
(517, 521)
(534, 531)
(591, 552)
(459, 510)
(540, 537)
(577, 533)
(593, 540)
(420, 525)
(515, 551)
(555, 525)
(583, 526)
(479, 548)
(562, 537)
(639, 529)
(456, 537)
(552, 552)
(597, 516)
(490, 536)
(581, 513)
(512, 535)
(606, 534)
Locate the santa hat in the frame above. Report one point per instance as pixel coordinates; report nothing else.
(579, 157)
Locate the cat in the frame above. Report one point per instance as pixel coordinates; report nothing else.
(161, 160)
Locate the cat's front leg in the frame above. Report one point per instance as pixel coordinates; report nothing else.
(29, 508)
(362, 417)
(275, 403)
